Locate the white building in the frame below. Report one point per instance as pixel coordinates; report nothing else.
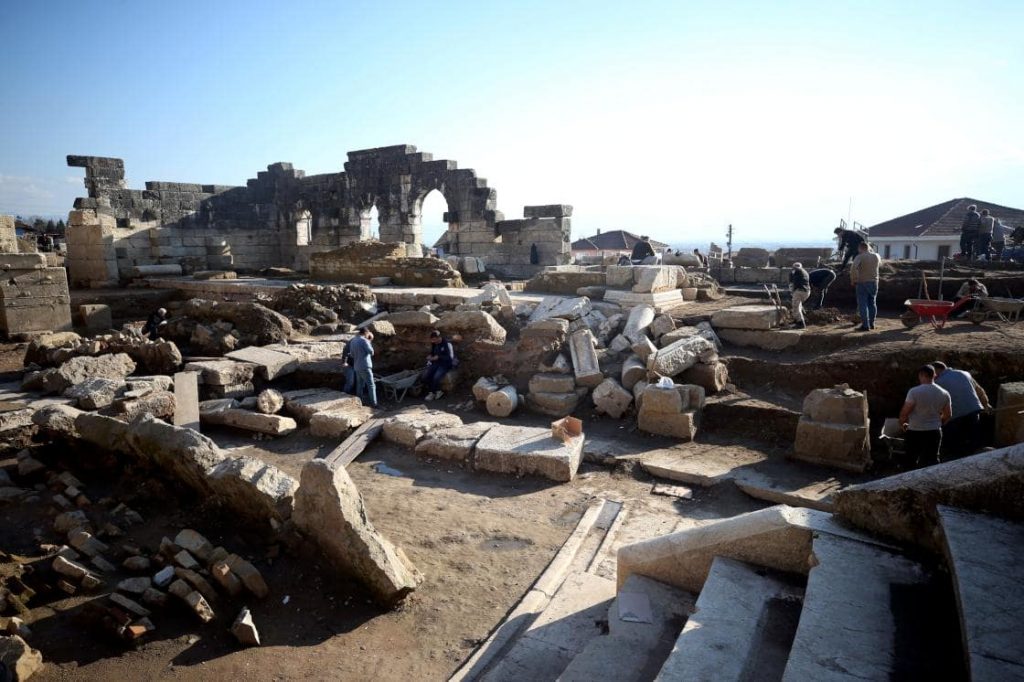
(934, 232)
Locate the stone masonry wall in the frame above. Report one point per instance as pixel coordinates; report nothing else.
(282, 217)
(363, 261)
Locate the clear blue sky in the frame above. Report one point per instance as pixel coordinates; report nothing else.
(671, 118)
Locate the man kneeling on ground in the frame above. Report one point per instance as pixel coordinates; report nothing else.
(926, 409)
(440, 361)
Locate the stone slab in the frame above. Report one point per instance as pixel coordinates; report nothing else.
(270, 424)
(528, 450)
(270, 364)
(454, 442)
(747, 317)
(186, 400)
(985, 555)
(660, 301)
(304, 404)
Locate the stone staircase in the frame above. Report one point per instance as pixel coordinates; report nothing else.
(799, 594)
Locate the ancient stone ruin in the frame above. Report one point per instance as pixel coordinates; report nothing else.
(282, 217)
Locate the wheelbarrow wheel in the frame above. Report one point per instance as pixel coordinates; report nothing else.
(910, 319)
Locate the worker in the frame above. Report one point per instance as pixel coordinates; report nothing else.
(643, 252)
(849, 242)
(925, 410)
(969, 229)
(960, 433)
(349, 368)
(800, 289)
(864, 277)
(701, 258)
(983, 243)
(972, 288)
(440, 361)
(820, 279)
(154, 323)
(361, 348)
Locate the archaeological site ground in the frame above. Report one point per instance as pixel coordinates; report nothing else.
(632, 471)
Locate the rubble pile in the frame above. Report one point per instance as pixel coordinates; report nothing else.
(153, 357)
(316, 304)
(216, 328)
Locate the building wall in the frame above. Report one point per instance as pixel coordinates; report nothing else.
(282, 216)
(892, 248)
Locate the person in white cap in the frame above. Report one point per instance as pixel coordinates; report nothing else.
(800, 287)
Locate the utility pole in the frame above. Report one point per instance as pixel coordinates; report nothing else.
(728, 240)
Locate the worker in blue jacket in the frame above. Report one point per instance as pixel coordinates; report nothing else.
(440, 361)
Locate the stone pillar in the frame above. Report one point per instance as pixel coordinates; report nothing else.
(186, 400)
(584, 359)
(91, 259)
(834, 429)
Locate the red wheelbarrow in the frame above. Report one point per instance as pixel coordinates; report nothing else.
(936, 312)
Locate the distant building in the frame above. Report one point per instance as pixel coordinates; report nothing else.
(934, 232)
(609, 244)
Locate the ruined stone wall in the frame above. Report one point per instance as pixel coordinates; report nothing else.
(363, 261)
(282, 217)
(8, 235)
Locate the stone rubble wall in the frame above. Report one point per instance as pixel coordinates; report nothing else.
(362, 262)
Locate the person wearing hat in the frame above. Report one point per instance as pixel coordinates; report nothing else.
(800, 289)
(440, 361)
(153, 324)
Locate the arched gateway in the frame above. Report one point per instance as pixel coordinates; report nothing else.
(283, 215)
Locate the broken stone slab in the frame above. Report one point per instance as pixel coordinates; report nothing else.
(679, 356)
(230, 582)
(503, 402)
(95, 393)
(407, 427)
(640, 318)
(244, 629)
(329, 510)
(270, 424)
(193, 599)
(552, 383)
(413, 318)
(620, 344)
(555, 404)
(455, 443)
(186, 400)
(560, 365)
(183, 453)
(269, 401)
(253, 489)
(473, 325)
(562, 308)
(248, 574)
(269, 364)
(85, 543)
(747, 317)
(612, 399)
(644, 348)
(195, 543)
(222, 372)
(483, 387)
(305, 403)
(238, 391)
(528, 450)
(661, 325)
(160, 404)
(19, 658)
(584, 359)
(337, 423)
(70, 568)
(198, 582)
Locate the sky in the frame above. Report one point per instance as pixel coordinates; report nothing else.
(673, 119)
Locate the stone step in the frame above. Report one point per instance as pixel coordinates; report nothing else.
(533, 642)
(870, 614)
(643, 622)
(984, 555)
(742, 628)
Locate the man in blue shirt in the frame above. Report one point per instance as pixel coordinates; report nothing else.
(361, 350)
(960, 433)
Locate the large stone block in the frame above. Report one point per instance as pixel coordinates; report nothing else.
(338, 422)
(555, 404)
(552, 383)
(303, 404)
(653, 278)
(612, 399)
(221, 372)
(253, 489)
(681, 425)
(96, 318)
(747, 317)
(679, 356)
(839, 405)
(269, 364)
(845, 446)
(454, 442)
(1010, 424)
(528, 450)
(329, 510)
(270, 424)
(409, 426)
(640, 318)
(634, 369)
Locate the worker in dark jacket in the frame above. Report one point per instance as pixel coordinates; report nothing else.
(849, 242)
(800, 288)
(969, 230)
(643, 252)
(821, 279)
(154, 323)
(440, 361)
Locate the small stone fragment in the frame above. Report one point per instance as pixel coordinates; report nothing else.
(135, 585)
(244, 629)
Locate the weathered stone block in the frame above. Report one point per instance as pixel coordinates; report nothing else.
(552, 383)
(612, 399)
(747, 317)
(455, 442)
(409, 426)
(527, 450)
(845, 446)
(584, 359)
